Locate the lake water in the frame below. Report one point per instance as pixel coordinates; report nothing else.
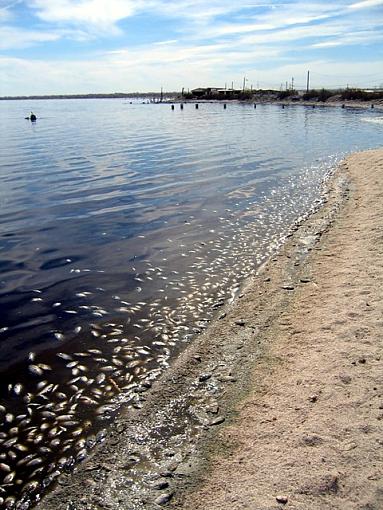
(123, 230)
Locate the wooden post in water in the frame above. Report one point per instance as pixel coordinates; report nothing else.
(181, 106)
(224, 106)
(196, 106)
(172, 106)
(255, 105)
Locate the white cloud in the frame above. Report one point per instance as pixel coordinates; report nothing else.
(92, 12)
(365, 4)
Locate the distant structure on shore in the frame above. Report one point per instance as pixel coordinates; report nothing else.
(290, 94)
(214, 92)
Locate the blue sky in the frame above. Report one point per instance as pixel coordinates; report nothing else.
(81, 46)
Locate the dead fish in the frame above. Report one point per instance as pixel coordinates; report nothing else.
(18, 388)
(34, 462)
(54, 432)
(9, 417)
(65, 356)
(77, 432)
(64, 417)
(100, 378)
(43, 366)
(48, 414)
(35, 370)
(26, 459)
(9, 478)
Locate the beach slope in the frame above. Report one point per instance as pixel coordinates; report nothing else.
(309, 434)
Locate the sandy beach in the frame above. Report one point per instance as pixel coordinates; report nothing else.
(309, 434)
(279, 404)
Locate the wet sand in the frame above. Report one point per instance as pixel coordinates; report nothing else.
(281, 397)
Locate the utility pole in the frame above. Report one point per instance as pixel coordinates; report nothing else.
(162, 93)
(232, 85)
(292, 83)
(244, 81)
(308, 81)
(286, 85)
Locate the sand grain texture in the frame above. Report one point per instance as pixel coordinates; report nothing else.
(310, 433)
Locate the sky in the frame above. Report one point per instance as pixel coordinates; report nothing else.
(104, 46)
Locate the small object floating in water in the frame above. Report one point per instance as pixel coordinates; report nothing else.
(32, 117)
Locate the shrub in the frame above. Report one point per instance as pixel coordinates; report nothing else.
(361, 95)
(283, 94)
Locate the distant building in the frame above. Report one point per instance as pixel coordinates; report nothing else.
(215, 92)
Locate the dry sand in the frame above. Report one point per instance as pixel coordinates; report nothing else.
(310, 433)
(281, 397)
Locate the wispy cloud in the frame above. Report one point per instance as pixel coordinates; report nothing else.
(365, 4)
(358, 37)
(13, 38)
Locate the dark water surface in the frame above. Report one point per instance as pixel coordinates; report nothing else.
(123, 229)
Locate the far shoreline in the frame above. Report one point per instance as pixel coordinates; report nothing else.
(174, 98)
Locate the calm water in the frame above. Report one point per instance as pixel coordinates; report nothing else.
(123, 229)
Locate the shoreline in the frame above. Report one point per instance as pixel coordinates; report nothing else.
(155, 454)
(309, 433)
(366, 105)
